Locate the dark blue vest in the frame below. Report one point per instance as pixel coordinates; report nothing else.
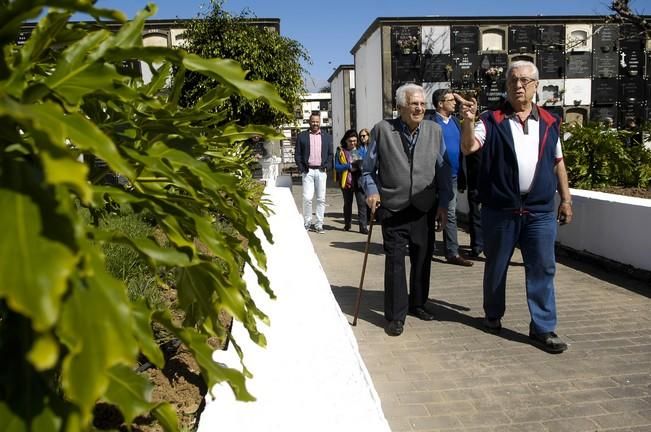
(499, 186)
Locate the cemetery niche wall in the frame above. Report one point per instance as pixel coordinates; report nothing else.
(588, 71)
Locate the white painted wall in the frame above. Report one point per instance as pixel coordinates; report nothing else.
(368, 81)
(311, 376)
(152, 39)
(611, 226)
(337, 89)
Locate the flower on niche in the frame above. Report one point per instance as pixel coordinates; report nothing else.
(494, 72)
(408, 45)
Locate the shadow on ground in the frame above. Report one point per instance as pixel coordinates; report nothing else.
(640, 283)
(371, 307)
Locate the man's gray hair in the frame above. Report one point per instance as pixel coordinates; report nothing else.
(403, 90)
(519, 64)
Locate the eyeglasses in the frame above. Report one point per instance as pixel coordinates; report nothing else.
(524, 81)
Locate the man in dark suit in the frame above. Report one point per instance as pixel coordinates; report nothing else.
(314, 156)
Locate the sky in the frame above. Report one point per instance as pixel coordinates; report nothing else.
(329, 29)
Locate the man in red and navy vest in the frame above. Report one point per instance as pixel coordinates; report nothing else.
(521, 169)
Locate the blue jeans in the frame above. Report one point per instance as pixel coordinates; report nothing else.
(535, 233)
(450, 239)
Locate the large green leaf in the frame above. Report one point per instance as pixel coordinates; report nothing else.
(97, 77)
(67, 171)
(230, 73)
(33, 269)
(11, 421)
(50, 119)
(129, 391)
(142, 330)
(44, 353)
(166, 417)
(130, 34)
(73, 61)
(148, 248)
(42, 37)
(40, 40)
(96, 327)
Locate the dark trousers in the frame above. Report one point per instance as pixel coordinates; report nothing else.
(474, 221)
(409, 231)
(348, 206)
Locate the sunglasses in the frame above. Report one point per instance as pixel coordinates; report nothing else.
(363, 136)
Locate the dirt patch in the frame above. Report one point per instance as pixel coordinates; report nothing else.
(179, 382)
(632, 192)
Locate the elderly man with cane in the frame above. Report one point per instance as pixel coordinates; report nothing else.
(405, 167)
(520, 171)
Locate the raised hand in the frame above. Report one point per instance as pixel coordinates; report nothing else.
(468, 107)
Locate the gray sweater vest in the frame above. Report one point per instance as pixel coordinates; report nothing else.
(406, 179)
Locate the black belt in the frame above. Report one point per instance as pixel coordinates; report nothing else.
(314, 166)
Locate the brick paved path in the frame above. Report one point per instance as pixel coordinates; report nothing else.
(450, 375)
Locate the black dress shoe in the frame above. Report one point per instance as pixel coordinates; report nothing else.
(492, 325)
(347, 227)
(363, 230)
(475, 253)
(395, 328)
(458, 260)
(549, 342)
(421, 313)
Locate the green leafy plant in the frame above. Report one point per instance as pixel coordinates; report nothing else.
(69, 335)
(594, 155)
(640, 156)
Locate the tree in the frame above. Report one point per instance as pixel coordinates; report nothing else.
(622, 13)
(265, 54)
(69, 336)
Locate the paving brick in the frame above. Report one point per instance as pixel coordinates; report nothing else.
(463, 395)
(571, 425)
(551, 387)
(579, 410)
(525, 415)
(626, 405)
(394, 387)
(409, 410)
(594, 383)
(587, 396)
(619, 420)
(456, 407)
(399, 424)
(521, 427)
(419, 397)
(629, 391)
(434, 422)
(489, 419)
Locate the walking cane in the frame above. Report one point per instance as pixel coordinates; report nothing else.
(361, 281)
